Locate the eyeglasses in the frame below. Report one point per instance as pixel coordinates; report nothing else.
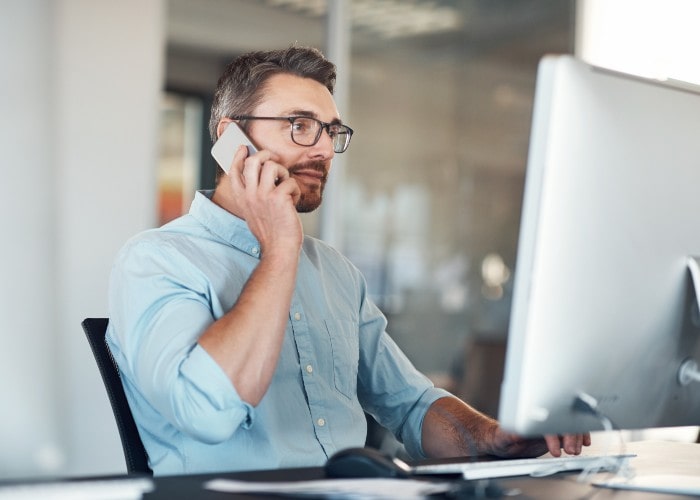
(306, 131)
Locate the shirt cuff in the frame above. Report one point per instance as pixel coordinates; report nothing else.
(413, 428)
(212, 408)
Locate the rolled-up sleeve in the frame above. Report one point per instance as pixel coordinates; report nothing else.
(160, 304)
(390, 388)
(203, 402)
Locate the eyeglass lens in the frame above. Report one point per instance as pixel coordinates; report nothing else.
(307, 131)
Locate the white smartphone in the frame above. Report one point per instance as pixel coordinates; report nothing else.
(227, 144)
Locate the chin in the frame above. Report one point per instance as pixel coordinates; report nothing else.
(308, 203)
(305, 208)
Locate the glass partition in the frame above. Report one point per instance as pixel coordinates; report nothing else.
(440, 97)
(434, 178)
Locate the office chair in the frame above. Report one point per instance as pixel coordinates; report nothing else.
(134, 452)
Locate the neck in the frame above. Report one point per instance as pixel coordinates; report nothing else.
(223, 196)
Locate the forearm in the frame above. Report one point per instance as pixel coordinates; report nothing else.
(247, 340)
(451, 428)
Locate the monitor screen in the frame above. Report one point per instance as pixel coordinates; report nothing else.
(610, 221)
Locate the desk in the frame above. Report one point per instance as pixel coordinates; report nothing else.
(652, 458)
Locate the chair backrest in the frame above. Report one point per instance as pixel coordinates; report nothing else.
(134, 451)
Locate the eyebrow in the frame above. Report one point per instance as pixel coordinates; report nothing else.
(311, 114)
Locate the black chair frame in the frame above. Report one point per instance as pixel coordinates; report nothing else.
(134, 452)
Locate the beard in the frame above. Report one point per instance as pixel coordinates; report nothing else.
(311, 197)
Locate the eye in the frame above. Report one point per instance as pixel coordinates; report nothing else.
(302, 126)
(334, 130)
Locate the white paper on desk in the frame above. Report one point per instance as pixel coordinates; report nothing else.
(658, 483)
(338, 488)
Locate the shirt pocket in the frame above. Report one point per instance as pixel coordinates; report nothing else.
(346, 355)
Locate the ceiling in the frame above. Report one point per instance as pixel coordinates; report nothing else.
(230, 26)
(202, 35)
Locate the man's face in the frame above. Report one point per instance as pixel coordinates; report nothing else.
(289, 95)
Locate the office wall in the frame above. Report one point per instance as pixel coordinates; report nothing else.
(27, 390)
(80, 91)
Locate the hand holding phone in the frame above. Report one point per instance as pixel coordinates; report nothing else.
(225, 147)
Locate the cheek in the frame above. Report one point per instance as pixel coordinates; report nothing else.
(272, 139)
(283, 150)
(288, 157)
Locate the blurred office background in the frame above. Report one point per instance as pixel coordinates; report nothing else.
(103, 134)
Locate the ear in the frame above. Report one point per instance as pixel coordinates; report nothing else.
(223, 123)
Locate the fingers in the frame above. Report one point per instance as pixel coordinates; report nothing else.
(237, 165)
(553, 445)
(293, 188)
(264, 174)
(260, 175)
(274, 176)
(572, 444)
(250, 171)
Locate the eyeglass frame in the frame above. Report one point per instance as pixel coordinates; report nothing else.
(291, 119)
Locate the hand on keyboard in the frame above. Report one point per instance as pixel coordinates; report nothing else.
(542, 466)
(507, 445)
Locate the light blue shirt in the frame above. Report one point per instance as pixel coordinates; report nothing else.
(169, 284)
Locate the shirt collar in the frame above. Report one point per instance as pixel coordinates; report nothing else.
(223, 224)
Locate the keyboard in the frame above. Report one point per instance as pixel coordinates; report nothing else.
(90, 489)
(542, 466)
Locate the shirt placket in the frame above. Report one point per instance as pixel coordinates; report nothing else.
(308, 364)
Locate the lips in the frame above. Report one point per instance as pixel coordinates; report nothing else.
(312, 172)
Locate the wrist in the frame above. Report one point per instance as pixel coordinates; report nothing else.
(489, 443)
(283, 254)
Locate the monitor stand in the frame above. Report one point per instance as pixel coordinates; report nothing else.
(689, 371)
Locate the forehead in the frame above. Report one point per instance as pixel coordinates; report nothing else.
(286, 94)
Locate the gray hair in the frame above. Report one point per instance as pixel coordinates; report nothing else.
(241, 87)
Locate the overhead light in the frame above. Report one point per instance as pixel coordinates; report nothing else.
(387, 18)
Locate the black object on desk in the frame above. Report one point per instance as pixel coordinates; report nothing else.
(365, 462)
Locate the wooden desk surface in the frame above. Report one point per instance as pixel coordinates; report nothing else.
(664, 457)
(653, 458)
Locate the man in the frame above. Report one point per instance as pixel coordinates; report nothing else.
(244, 344)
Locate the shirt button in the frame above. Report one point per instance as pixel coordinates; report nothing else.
(321, 422)
(297, 316)
(255, 250)
(309, 369)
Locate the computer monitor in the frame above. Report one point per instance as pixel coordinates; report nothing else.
(603, 283)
